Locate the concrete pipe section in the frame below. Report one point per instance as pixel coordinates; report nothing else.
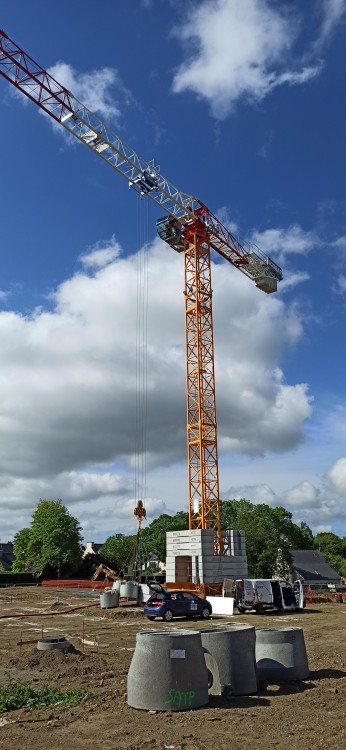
(53, 643)
(168, 671)
(109, 599)
(129, 590)
(232, 648)
(281, 654)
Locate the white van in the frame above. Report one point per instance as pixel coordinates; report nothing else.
(268, 594)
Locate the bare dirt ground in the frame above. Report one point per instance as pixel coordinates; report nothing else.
(308, 714)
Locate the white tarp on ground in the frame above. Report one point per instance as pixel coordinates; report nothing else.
(222, 605)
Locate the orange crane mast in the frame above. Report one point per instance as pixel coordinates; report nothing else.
(188, 227)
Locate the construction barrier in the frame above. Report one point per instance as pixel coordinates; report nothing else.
(77, 584)
(322, 597)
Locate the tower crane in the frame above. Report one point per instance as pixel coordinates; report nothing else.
(189, 227)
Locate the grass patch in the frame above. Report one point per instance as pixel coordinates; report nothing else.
(18, 695)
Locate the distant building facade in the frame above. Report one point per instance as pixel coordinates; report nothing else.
(91, 548)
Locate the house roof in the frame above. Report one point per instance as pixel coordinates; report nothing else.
(311, 566)
(6, 555)
(6, 547)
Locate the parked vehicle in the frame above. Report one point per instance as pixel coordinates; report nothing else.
(268, 594)
(168, 604)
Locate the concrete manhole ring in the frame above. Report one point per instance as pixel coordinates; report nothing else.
(53, 643)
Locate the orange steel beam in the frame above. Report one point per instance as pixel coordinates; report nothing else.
(203, 474)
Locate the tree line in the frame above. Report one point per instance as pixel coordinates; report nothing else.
(52, 545)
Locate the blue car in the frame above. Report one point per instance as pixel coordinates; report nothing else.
(167, 604)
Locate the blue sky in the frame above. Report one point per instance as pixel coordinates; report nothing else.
(242, 105)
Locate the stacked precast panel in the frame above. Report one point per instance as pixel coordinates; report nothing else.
(191, 557)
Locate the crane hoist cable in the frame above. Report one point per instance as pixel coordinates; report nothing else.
(141, 359)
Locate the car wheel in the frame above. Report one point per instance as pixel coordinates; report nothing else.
(168, 615)
(151, 618)
(205, 613)
(261, 610)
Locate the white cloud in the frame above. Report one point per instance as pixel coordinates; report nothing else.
(259, 494)
(109, 517)
(279, 243)
(337, 477)
(333, 12)
(293, 279)
(101, 255)
(237, 51)
(320, 504)
(303, 495)
(341, 284)
(69, 375)
(103, 502)
(94, 88)
(68, 379)
(295, 78)
(340, 243)
(72, 486)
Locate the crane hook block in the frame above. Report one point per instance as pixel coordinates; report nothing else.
(171, 231)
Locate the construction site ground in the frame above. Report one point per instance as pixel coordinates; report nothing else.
(308, 714)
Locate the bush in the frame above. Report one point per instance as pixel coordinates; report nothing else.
(19, 695)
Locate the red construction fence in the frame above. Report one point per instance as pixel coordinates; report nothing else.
(72, 583)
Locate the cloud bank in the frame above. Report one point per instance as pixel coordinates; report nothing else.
(320, 505)
(68, 378)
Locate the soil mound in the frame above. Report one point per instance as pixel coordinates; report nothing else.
(62, 664)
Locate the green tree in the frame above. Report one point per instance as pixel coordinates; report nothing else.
(303, 537)
(23, 562)
(52, 544)
(338, 563)
(267, 530)
(329, 543)
(154, 535)
(333, 548)
(117, 550)
(262, 538)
